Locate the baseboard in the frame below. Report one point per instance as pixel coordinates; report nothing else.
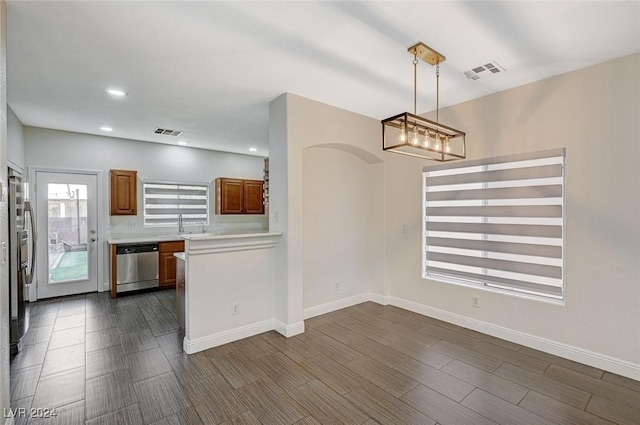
(600, 361)
(288, 330)
(379, 299)
(220, 338)
(210, 341)
(336, 305)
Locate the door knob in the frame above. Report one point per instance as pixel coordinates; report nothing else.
(93, 239)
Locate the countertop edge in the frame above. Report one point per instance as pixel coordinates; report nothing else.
(144, 239)
(208, 237)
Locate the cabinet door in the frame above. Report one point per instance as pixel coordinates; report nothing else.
(167, 262)
(253, 201)
(230, 197)
(124, 193)
(167, 272)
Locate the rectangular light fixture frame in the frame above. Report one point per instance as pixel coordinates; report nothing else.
(413, 135)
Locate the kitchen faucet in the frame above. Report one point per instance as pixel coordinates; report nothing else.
(180, 225)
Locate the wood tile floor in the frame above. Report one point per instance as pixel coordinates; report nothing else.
(116, 362)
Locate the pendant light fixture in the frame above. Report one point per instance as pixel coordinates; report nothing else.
(410, 134)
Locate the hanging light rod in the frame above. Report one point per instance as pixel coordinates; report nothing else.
(413, 135)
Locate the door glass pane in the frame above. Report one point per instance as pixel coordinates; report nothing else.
(67, 232)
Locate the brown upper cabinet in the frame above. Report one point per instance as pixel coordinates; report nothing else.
(124, 192)
(239, 196)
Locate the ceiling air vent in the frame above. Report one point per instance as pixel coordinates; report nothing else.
(484, 70)
(167, 132)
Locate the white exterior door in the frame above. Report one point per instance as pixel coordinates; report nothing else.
(67, 234)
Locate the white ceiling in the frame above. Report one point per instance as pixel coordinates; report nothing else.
(211, 68)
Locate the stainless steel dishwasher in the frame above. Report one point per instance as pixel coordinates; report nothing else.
(137, 266)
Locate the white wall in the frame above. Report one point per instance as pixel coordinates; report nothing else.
(15, 139)
(594, 114)
(66, 150)
(288, 282)
(224, 272)
(300, 132)
(342, 210)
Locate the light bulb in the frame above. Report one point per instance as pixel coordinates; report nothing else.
(403, 136)
(447, 148)
(415, 136)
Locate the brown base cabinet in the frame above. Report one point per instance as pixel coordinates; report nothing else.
(166, 265)
(167, 262)
(180, 294)
(113, 274)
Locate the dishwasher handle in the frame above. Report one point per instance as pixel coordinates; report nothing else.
(136, 248)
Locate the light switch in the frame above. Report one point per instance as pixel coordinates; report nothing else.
(4, 253)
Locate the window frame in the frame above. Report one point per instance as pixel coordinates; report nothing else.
(486, 282)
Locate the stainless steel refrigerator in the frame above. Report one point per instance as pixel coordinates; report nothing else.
(21, 258)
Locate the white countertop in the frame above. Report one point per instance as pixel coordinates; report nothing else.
(144, 238)
(180, 255)
(190, 236)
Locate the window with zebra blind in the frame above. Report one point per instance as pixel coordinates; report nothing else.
(497, 223)
(164, 202)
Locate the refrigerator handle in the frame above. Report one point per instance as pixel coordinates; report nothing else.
(32, 237)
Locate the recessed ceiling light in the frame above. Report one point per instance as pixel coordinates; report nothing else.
(182, 143)
(253, 150)
(116, 92)
(106, 128)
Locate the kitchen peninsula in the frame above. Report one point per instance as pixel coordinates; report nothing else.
(229, 287)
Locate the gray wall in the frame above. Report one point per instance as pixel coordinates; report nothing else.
(15, 139)
(53, 149)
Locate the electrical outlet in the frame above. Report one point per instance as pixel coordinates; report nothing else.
(235, 309)
(405, 228)
(475, 301)
(336, 286)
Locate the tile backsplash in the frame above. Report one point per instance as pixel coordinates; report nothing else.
(119, 226)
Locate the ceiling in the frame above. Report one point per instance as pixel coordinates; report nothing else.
(210, 69)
